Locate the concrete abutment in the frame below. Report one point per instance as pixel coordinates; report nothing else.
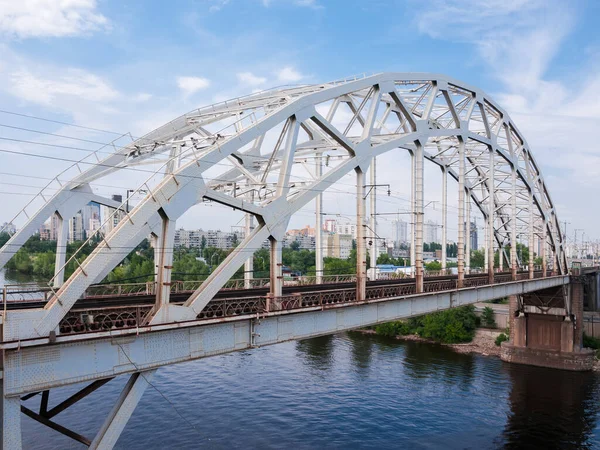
(546, 329)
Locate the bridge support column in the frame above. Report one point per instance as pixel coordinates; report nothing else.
(119, 416)
(531, 237)
(444, 217)
(373, 220)
(540, 335)
(419, 216)
(467, 233)
(10, 410)
(164, 263)
(460, 252)
(544, 238)
(490, 217)
(61, 250)
(276, 273)
(249, 264)
(413, 222)
(319, 223)
(361, 251)
(513, 226)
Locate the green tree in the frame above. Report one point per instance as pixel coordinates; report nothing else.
(488, 317)
(433, 266)
(477, 259)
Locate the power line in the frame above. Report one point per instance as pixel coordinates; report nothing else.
(59, 122)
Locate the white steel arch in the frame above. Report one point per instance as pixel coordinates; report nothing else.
(339, 126)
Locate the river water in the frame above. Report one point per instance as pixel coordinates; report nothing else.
(345, 391)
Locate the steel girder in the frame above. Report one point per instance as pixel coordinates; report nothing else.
(262, 148)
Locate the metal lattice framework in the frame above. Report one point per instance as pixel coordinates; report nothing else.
(271, 153)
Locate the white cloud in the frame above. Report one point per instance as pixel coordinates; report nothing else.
(304, 3)
(191, 85)
(49, 18)
(289, 75)
(71, 83)
(216, 5)
(249, 79)
(142, 97)
(517, 41)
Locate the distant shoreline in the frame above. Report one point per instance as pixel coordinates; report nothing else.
(483, 342)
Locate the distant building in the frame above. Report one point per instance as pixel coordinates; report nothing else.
(431, 231)
(330, 226)
(346, 228)
(8, 227)
(211, 238)
(76, 231)
(473, 236)
(400, 232)
(305, 242)
(306, 231)
(338, 246)
(110, 217)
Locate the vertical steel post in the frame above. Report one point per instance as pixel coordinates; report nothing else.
(419, 216)
(413, 215)
(249, 264)
(444, 217)
(319, 223)
(276, 273)
(10, 411)
(468, 232)
(165, 261)
(531, 236)
(544, 248)
(61, 250)
(491, 215)
(513, 225)
(461, 213)
(373, 220)
(361, 253)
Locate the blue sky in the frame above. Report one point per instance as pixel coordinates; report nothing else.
(131, 66)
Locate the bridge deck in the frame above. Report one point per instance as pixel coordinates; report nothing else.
(107, 309)
(37, 364)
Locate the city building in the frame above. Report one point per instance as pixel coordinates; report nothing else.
(305, 242)
(306, 231)
(330, 225)
(473, 236)
(431, 231)
(110, 217)
(346, 228)
(209, 238)
(400, 232)
(76, 231)
(8, 227)
(338, 246)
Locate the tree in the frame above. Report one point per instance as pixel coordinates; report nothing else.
(295, 245)
(336, 266)
(203, 243)
(487, 317)
(433, 266)
(477, 259)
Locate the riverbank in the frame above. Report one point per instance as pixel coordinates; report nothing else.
(483, 342)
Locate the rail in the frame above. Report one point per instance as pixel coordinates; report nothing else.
(113, 317)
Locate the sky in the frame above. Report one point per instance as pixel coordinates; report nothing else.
(129, 66)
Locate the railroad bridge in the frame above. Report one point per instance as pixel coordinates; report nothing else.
(269, 155)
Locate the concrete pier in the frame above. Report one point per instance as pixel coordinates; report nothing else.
(546, 329)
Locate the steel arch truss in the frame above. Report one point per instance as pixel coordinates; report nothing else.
(260, 152)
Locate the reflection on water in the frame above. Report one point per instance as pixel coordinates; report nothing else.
(346, 391)
(317, 353)
(557, 408)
